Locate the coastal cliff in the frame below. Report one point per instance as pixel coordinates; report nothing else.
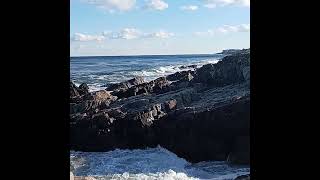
(199, 115)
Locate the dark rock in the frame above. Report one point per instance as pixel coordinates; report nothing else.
(243, 177)
(206, 134)
(230, 70)
(240, 153)
(200, 115)
(235, 51)
(76, 93)
(182, 75)
(74, 90)
(170, 105)
(83, 89)
(99, 99)
(126, 85)
(197, 134)
(159, 85)
(190, 66)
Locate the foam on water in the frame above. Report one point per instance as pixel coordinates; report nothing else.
(97, 81)
(153, 73)
(149, 164)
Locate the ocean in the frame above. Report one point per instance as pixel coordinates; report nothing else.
(145, 164)
(98, 72)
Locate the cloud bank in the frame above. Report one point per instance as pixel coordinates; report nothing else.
(189, 8)
(225, 29)
(85, 37)
(156, 5)
(126, 34)
(214, 3)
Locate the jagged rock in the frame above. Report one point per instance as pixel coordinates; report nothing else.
(74, 90)
(243, 177)
(199, 115)
(76, 93)
(126, 85)
(99, 99)
(182, 75)
(159, 85)
(235, 51)
(230, 70)
(170, 105)
(205, 134)
(83, 89)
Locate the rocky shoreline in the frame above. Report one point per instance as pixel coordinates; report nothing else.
(199, 115)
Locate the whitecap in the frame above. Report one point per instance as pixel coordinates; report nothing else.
(149, 164)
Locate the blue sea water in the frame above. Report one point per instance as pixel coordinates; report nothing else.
(145, 164)
(99, 72)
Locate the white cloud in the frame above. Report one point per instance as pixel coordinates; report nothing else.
(106, 33)
(210, 6)
(214, 3)
(126, 33)
(85, 37)
(205, 33)
(244, 28)
(156, 5)
(225, 29)
(113, 5)
(132, 33)
(159, 34)
(189, 7)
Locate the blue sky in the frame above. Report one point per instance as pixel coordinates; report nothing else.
(135, 27)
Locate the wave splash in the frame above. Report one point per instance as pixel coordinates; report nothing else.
(149, 164)
(99, 81)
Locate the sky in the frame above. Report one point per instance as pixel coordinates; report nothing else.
(149, 27)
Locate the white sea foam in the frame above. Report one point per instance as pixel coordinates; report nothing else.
(98, 82)
(95, 87)
(153, 73)
(169, 175)
(148, 164)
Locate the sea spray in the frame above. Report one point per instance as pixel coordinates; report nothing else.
(151, 163)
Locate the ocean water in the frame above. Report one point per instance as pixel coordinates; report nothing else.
(141, 164)
(99, 72)
(149, 164)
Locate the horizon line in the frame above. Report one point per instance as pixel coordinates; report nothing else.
(143, 55)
